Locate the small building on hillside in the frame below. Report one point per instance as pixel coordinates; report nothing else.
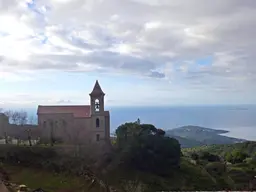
(17, 131)
(4, 122)
(76, 123)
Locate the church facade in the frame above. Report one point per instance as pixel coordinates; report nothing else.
(76, 123)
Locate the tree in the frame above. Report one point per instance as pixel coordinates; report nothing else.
(29, 137)
(216, 168)
(194, 156)
(51, 133)
(6, 138)
(144, 147)
(236, 156)
(205, 155)
(17, 117)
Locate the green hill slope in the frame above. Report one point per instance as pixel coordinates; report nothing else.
(248, 147)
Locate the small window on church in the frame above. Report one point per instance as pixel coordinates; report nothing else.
(97, 137)
(97, 122)
(44, 124)
(97, 105)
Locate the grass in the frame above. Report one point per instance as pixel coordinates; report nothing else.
(48, 181)
(188, 178)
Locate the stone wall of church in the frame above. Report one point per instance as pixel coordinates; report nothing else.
(107, 125)
(58, 125)
(74, 130)
(81, 131)
(98, 128)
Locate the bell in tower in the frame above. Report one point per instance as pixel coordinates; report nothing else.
(97, 99)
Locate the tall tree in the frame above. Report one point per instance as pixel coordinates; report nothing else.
(51, 133)
(146, 148)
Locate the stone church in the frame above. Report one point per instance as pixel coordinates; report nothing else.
(76, 123)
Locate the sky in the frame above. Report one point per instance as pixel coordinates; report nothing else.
(143, 52)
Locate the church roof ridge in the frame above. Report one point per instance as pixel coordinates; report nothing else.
(76, 110)
(64, 105)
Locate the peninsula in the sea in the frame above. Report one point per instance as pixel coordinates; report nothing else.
(192, 136)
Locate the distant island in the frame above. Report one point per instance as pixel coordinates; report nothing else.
(193, 136)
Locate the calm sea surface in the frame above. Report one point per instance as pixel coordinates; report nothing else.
(239, 120)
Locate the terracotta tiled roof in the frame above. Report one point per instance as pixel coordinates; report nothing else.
(77, 110)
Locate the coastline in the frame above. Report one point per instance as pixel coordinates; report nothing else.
(246, 133)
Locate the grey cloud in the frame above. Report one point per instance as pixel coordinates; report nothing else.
(156, 74)
(188, 29)
(103, 59)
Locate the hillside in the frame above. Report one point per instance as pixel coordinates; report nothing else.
(187, 143)
(200, 136)
(248, 147)
(142, 159)
(190, 176)
(240, 168)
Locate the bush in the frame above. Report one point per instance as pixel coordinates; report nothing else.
(155, 154)
(216, 168)
(43, 158)
(194, 156)
(209, 157)
(26, 156)
(235, 156)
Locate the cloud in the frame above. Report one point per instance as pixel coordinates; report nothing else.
(156, 39)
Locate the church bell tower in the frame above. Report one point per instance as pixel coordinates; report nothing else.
(97, 99)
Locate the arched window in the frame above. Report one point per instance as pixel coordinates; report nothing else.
(44, 124)
(97, 122)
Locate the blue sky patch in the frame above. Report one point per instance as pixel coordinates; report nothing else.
(204, 61)
(31, 5)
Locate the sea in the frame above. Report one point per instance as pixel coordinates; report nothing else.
(240, 120)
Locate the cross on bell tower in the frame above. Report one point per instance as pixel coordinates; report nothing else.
(97, 99)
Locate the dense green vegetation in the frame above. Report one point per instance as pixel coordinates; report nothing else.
(236, 163)
(141, 159)
(248, 147)
(35, 178)
(139, 142)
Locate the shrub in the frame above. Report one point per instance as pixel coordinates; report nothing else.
(216, 168)
(27, 156)
(209, 157)
(235, 156)
(194, 156)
